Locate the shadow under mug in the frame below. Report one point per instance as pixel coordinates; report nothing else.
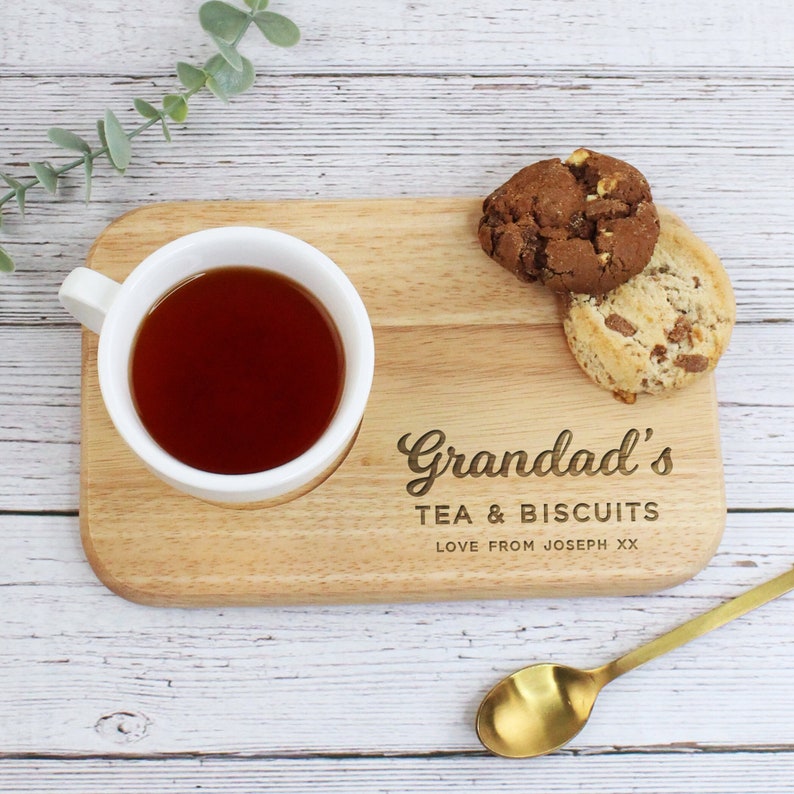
(115, 312)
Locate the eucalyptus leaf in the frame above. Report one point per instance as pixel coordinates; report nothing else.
(147, 110)
(224, 81)
(20, 194)
(175, 106)
(229, 53)
(45, 173)
(256, 5)
(277, 29)
(119, 148)
(223, 20)
(100, 131)
(191, 77)
(6, 262)
(14, 184)
(68, 140)
(216, 88)
(166, 131)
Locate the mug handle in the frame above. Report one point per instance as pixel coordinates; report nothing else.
(87, 296)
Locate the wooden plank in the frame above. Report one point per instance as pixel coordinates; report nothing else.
(647, 773)
(420, 35)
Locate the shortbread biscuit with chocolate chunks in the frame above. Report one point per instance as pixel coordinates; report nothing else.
(584, 225)
(664, 327)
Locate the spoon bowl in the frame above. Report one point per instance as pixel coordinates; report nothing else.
(536, 710)
(542, 707)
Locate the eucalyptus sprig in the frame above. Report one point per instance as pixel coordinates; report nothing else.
(226, 74)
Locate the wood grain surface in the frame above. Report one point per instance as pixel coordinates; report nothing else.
(614, 498)
(391, 100)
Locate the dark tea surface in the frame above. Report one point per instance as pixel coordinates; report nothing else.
(237, 370)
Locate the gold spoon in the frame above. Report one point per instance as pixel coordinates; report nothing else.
(541, 707)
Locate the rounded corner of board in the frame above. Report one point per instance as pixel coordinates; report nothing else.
(111, 581)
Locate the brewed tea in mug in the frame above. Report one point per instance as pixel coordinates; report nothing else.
(237, 370)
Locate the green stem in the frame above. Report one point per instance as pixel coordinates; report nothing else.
(244, 30)
(90, 156)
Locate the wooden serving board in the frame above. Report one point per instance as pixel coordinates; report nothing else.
(471, 365)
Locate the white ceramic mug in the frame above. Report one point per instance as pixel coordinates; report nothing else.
(115, 311)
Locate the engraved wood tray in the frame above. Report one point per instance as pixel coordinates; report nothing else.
(487, 465)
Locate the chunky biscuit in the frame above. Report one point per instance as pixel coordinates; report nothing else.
(584, 225)
(661, 329)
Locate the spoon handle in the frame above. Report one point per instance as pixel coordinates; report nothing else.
(719, 616)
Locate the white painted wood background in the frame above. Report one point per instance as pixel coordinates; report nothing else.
(386, 98)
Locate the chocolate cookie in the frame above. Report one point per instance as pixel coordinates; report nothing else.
(584, 225)
(664, 327)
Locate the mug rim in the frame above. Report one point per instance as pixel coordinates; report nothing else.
(347, 311)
